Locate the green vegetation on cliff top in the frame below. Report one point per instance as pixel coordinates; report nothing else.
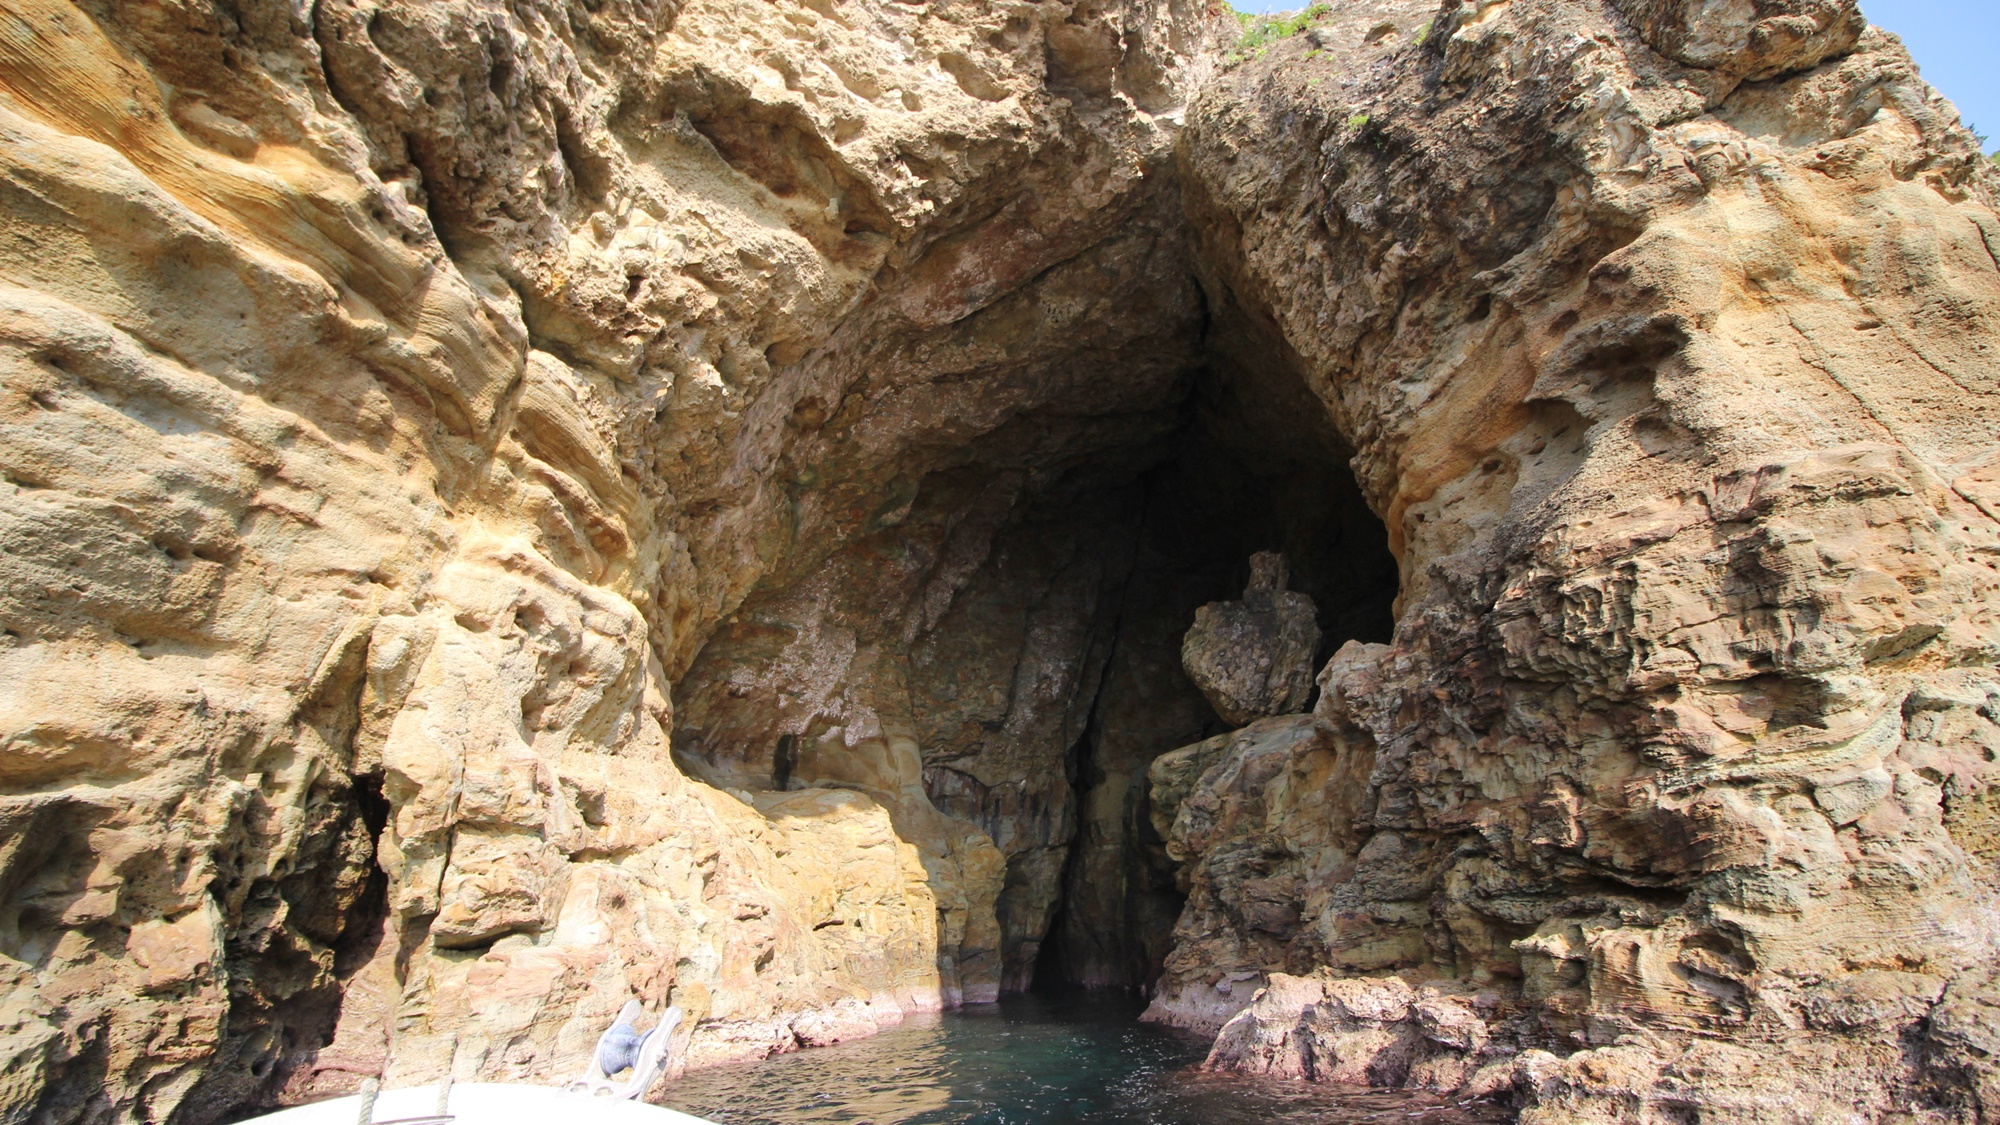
(1260, 31)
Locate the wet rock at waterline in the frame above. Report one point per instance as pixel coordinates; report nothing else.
(1254, 658)
(1360, 1031)
(511, 509)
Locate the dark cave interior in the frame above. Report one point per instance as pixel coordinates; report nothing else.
(1022, 623)
(1244, 474)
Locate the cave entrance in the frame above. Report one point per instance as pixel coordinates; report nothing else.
(1012, 621)
(1255, 467)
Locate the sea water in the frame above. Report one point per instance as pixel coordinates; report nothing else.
(1075, 1059)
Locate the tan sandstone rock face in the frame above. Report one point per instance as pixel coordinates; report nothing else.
(1360, 1031)
(397, 397)
(1665, 335)
(513, 508)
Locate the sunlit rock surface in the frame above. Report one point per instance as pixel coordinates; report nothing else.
(397, 398)
(512, 508)
(1666, 337)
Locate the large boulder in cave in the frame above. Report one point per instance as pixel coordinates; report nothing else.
(1254, 658)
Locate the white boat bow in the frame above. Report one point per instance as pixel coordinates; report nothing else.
(596, 1097)
(482, 1103)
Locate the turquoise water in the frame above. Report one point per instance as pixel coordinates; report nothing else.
(1081, 1059)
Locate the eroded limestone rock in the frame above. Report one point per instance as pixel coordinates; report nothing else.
(396, 397)
(1360, 1031)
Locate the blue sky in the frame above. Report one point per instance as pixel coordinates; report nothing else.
(1956, 44)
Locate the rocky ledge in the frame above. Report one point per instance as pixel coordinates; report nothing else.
(515, 507)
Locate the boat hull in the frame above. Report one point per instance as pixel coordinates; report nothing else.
(483, 1103)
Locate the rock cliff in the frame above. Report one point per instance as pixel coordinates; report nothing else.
(400, 398)
(1665, 338)
(515, 507)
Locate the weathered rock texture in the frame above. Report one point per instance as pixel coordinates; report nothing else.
(1254, 658)
(1361, 1031)
(514, 507)
(1666, 338)
(398, 397)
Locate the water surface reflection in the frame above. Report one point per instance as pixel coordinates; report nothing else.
(1080, 1059)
